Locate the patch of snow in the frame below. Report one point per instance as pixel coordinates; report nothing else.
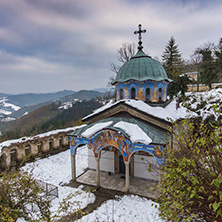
(56, 170)
(7, 108)
(14, 107)
(129, 208)
(95, 128)
(108, 105)
(137, 135)
(25, 113)
(6, 119)
(203, 102)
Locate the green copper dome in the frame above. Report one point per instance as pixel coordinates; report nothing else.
(141, 67)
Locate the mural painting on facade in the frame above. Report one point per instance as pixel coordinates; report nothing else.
(141, 90)
(140, 93)
(164, 93)
(111, 138)
(117, 95)
(126, 93)
(154, 94)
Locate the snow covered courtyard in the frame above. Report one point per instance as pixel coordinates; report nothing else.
(56, 170)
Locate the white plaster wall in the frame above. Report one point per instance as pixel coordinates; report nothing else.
(106, 161)
(141, 167)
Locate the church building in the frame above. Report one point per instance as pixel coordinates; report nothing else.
(128, 135)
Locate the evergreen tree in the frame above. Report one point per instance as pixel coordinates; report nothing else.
(172, 60)
(218, 54)
(208, 67)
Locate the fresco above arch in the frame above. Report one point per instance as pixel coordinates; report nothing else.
(112, 138)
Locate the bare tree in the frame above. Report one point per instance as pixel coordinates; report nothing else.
(124, 54)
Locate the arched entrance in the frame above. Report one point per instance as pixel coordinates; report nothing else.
(115, 141)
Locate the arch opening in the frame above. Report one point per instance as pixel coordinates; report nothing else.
(160, 94)
(133, 93)
(121, 94)
(147, 95)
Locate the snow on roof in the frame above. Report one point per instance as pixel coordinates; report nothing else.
(108, 105)
(95, 128)
(25, 139)
(137, 135)
(166, 113)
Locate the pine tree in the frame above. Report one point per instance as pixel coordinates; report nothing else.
(208, 66)
(172, 60)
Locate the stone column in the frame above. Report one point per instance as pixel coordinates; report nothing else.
(73, 162)
(97, 172)
(127, 176)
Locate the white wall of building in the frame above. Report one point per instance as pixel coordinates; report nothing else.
(106, 161)
(141, 166)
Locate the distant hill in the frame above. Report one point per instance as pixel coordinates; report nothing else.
(31, 99)
(47, 118)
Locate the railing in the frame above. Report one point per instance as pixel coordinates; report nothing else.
(48, 188)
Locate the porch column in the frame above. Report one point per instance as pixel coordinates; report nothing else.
(73, 160)
(97, 172)
(127, 176)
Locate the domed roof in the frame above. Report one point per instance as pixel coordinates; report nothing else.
(141, 67)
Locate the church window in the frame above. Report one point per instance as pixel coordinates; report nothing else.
(133, 93)
(27, 150)
(147, 94)
(121, 93)
(13, 155)
(50, 144)
(160, 94)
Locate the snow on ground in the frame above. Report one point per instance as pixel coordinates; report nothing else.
(130, 208)
(7, 108)
(56, 170)
(137, 135)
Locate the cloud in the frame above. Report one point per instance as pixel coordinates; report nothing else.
(71, 43)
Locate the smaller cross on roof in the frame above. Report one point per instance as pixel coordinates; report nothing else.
(140, 31)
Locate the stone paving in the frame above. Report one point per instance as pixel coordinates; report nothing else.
(112, 181)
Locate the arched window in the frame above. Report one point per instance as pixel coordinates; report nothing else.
(147, 94)
(13, 155)
(121, 93)
(60, 141)
(39, 145)
(50, 144)
(133, 93)
(27, 150)
(160, 94)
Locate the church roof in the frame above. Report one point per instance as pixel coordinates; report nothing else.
(168, 113)
(132, 128)
(141, 67)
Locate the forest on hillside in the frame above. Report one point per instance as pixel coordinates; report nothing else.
(49, 117)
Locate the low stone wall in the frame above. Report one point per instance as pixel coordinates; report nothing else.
(17, 152)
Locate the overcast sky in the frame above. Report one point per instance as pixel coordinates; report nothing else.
(52, 45)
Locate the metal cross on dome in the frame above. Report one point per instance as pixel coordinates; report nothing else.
(140, 31)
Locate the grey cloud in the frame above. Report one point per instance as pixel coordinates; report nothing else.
(69, 44)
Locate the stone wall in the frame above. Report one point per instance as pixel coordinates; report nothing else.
(17, 152)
